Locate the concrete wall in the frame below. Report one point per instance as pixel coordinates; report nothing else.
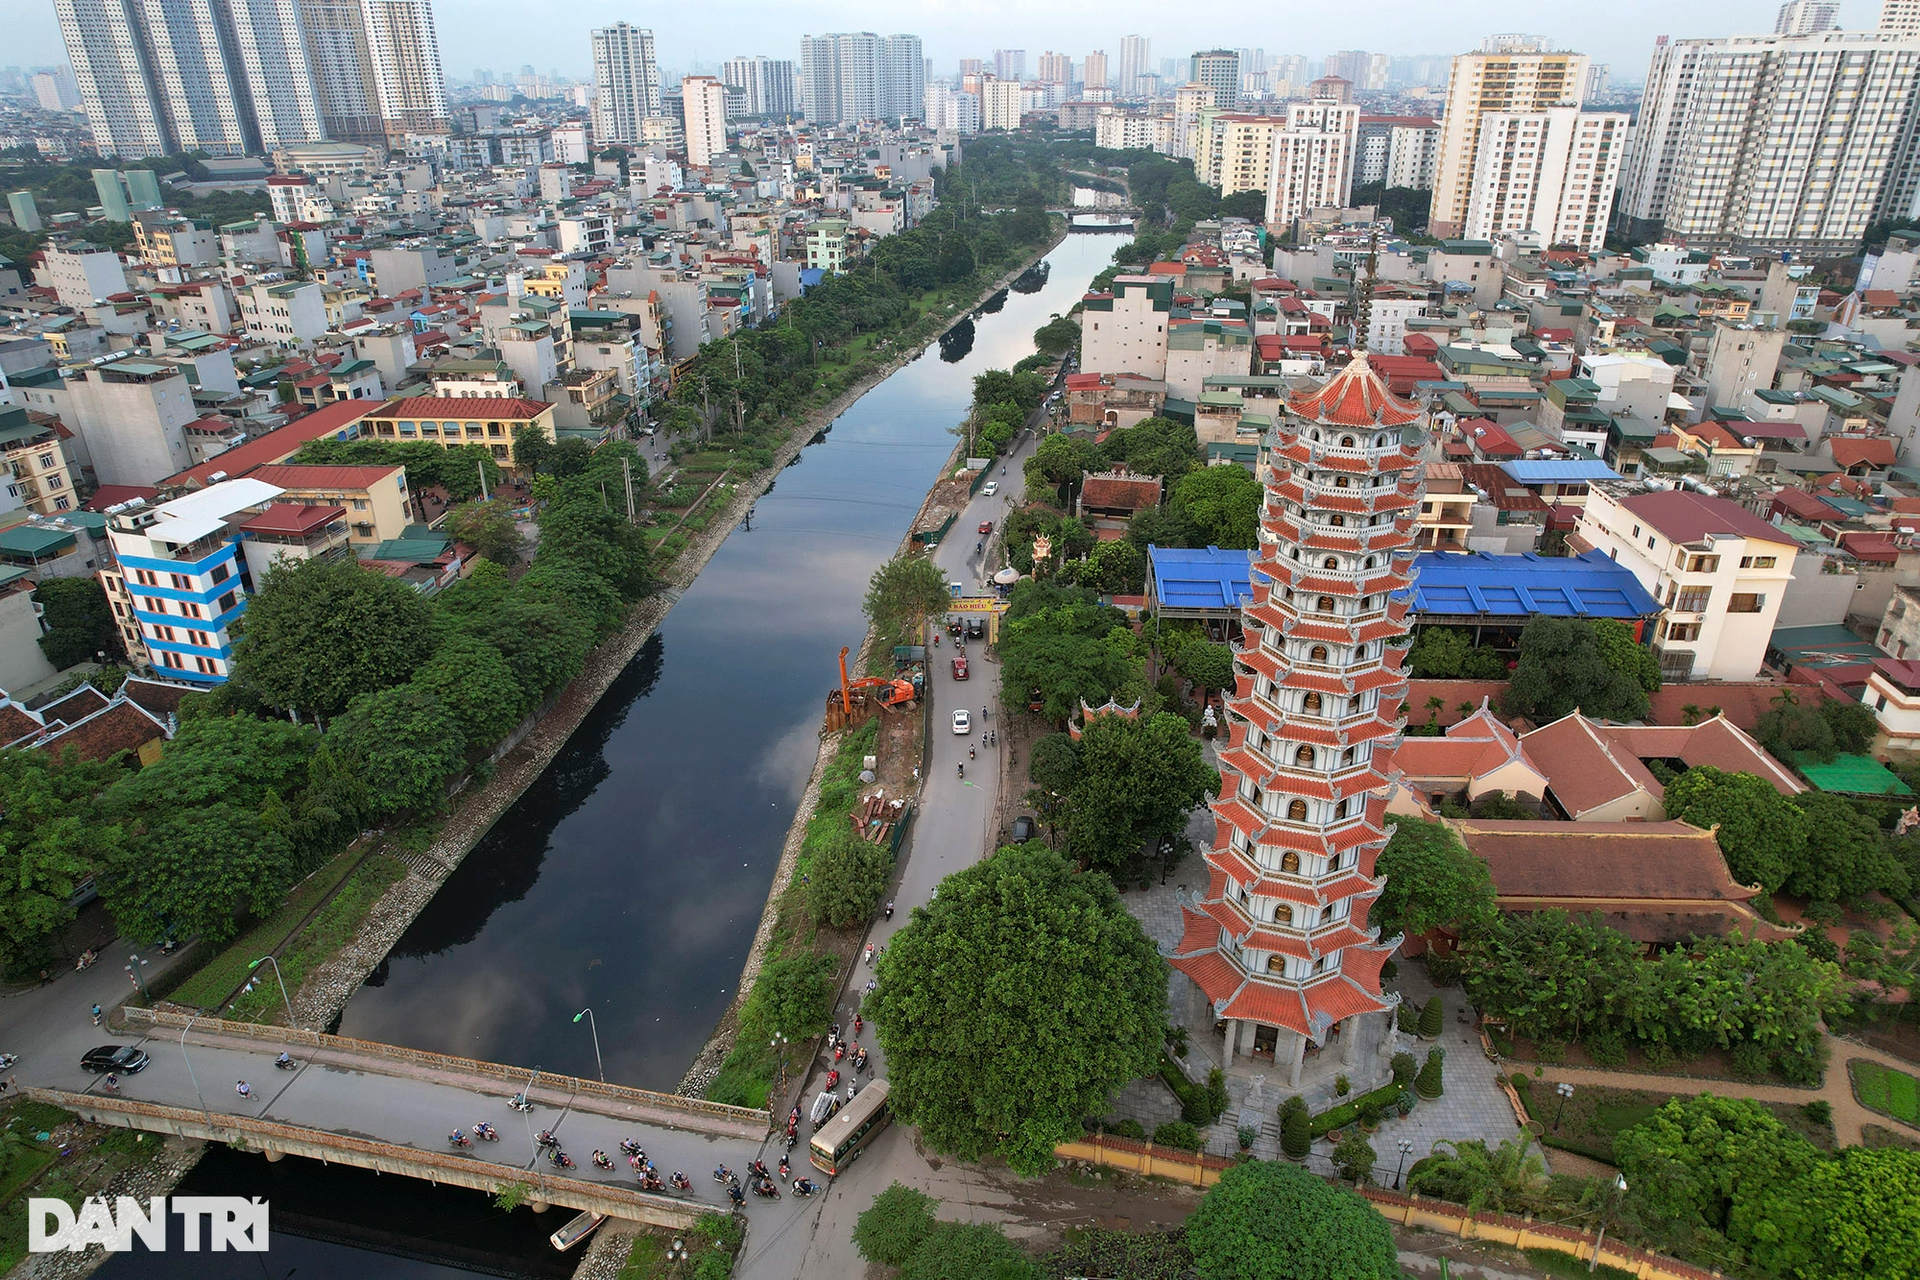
(1814, 597)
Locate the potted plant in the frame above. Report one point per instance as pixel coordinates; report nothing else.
(1246, 1136)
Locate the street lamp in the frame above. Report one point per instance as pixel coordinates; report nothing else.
(1406, 1149)
(190, 1076)
(291, 1021)
(593, 1027)
(133, 970)
(1612, 1207)
(1565, 1091)
(779, 1045)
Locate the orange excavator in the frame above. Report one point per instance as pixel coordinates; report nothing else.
(891, 693)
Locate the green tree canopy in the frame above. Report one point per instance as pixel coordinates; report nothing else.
(1820, 727)
(1057, 335)
(405, 743)
(845, 879)
(968, 1251)
(1448, 653)
(1265, 1220)
(892, 1227)
(1433, 881)
(1138, 780)
(903, 593)
(1708, 1160)
(1845, 858)
(78, 620)
(1013, 1004)
(1569, 664)
(1063, 642)
(1761, 832)
(321, 632)
(1219, 506)
(488, 528)
(194, 871)
(54, 837)
(473, 681)
(1855, 1216)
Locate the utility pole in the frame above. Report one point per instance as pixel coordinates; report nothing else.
(626, 467)
(482, 468)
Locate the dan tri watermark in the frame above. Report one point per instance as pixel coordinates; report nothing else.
(231, 1222)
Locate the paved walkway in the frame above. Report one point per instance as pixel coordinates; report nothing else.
(1836, 1090)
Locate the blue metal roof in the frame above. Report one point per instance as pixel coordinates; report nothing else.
(1473, 583)
(1559, 470)
(1195, 579)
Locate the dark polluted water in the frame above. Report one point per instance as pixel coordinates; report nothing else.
(630, 878)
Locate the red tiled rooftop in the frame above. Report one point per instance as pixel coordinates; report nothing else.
(275, 445)
(461, 407)
(293, 519)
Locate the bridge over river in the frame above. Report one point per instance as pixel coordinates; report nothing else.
(388, 1108)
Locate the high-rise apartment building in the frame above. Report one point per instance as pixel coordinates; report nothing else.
(1776, 142)
(1313, 159)
(1010, 64)
(404, 50)
(1135, 52)
(626, 82)
(703, 108)
(1508, 75)
(958, 111)
(1000, 104)
(1219, 70)
(1548, 174)
(1349, 64)
(1900, 18)
(1807, 17)
(1054, 68)
(768, 83)
(902, 78)
(1278, 943)
(861, 76)
(1094, 72)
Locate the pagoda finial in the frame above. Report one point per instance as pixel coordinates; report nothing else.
(1363, 302)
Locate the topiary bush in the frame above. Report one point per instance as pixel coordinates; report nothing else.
(1371, 1109)
(1342, 1086)
(1405, 1068)
(1128, 1129)
(1177, 1133)
(1403, 1103)
(1354, 1158)
(1433, 1018)
(1428, 1084)
(1408, 1020)
(1296, 1131)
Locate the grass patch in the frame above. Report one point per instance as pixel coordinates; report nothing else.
(1882, 1089)
(1595, 1114)
(1552, 1262)
(336, 925)
(1878, 1135)
(646, 1260)
(95, 1155)
(216, 979)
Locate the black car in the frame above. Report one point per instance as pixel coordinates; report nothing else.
(976, 627)
(123, 1059)
(1023, 829)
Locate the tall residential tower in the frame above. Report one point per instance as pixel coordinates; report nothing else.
(1508, 75)
(626, 82)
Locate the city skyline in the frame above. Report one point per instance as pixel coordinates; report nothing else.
(470, 31)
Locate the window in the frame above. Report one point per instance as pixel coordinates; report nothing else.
(1703, 564)
(1317, 654)
(1304, 756)
(154, 604)
(1290, 861)
(228, 600)
(1693, 600)
(1745, 602)
(1296, 812)
(181, 582)
(1311, 704)
(1683, 632)
(1758, 562)
(220, 573)
(1283, 914)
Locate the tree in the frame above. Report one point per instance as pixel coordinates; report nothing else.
(1059, 460)
(1551, 976)
(968, 1251)
(193, 873)
(543, 642)
(1430, 1083)
(1138, 781)
(530, 449)
(1625, 654)
(78, 620)
(1207, 664)
(321, 632)
(793, 995)
(1067, 645)
(901, 595)
(405, 743)
(1567, 664)
(1013, 1004)
(236, 760)
(53, 837)
(1220, 506)
(1761, 832)
(1433, 1018)
(891, 1228)
(1709, 1161)
(473, 681)
(845, 879)
(1846, 858)
(488, 528)
(1354, 1157)
(1296, 1131)
(1057, 335)
(582, 529)
(1508, 1177)
(1269, 1221)
(1823, 729)
(1855, 1216)
(1433, 881)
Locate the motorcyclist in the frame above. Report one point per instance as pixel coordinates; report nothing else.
(483, 1129)
(679, 1181)
(803, 1186)
(458, 1138)
(786, 1169)
(112, 1082)
(283, 1060)
(546, 1139)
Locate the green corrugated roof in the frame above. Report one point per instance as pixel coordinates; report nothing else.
(34, 540)
(1851, 775)
(411, 550)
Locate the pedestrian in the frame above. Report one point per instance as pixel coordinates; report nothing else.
(243, 1090)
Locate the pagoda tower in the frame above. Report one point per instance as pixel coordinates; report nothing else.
(1280, 943)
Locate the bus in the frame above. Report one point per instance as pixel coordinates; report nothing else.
(838, 1143)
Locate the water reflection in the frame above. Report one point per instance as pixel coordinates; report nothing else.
(957, 343)
(991, 307)
(1033, 279)
(631, 876)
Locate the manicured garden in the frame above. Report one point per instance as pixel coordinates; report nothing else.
(1587, 1123)
(1891, 1093)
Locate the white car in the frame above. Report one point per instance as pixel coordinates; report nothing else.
(990, 488)
(962, 722)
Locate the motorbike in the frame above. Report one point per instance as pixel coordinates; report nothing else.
(786, 1170)
(869, 953)
(724, 1174)
(601, 1160)
(889, 908)
(765, 1189)
(758, 1169)
(285, 1064)
(88, 959)
(518, 1102)
(679, 1181)
(629, 1147)
(962, 766)
(459, 1139)
(793, 1138)
(736, 1195)
(650, 1183)
(559, 1159)
(804, 1188)
(969, 751)
(546, 1139)
(859, 1024)
(486, 1132)
(833, 1078)
(8, 1059)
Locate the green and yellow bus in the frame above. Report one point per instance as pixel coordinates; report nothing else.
(838, 1143)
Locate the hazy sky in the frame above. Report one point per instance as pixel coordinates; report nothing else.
(503, 34)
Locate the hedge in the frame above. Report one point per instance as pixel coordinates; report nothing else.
(1200, 1104)
(1349, 1111)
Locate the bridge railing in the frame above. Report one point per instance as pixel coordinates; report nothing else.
(438, 1166)
(516, 1077)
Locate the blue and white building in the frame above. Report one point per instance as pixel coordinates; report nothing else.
(184, 575)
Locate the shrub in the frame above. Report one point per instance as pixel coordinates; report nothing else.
(1354, 1157)
(1657, 1053)
(1177, 1133)
(1128, 1129)
(1802, 1066)
(1246, 1134)
(1551, 1051)
(1445, 970)
(1409, 1020)
(1199, 1103)
(1607, 1048)
(1405, 1067)
(1819, 1111)
(892, 1227)
(1403, 1102)
(1428, 1084)
(1342, 1086)
(1296, 1131)
(1371, 1109)
(1217, 1099)
(1433, 1018)
(1748, 1061)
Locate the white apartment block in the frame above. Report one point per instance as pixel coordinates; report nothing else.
(952, 109)
(1775, 142)
(82, 275)
(626, 81)
(1549, 174)
(1900, 18)
(1238, 152)
(1126, 331)
(704, 109)
(1122, 130)
(769, 84)
(1718, 571)
(1510, 77)
(1412, 151)
(1807, 17)
(405, 55)
(289, 313)
(1000, 104)
(1191, 103)
(1313, 159)
(131, 416)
